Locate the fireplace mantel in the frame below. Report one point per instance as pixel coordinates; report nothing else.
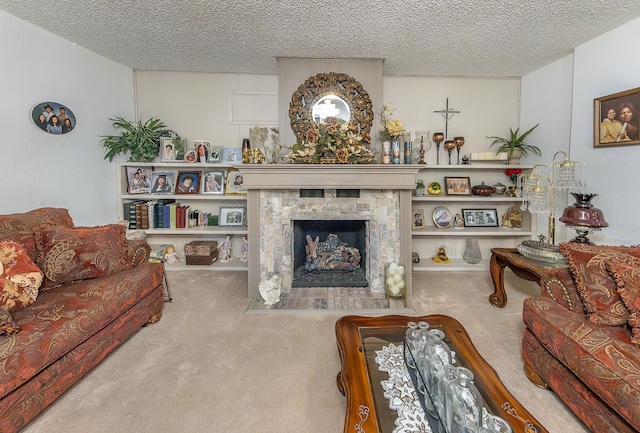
(270, 185)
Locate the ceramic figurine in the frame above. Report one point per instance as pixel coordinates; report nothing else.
(270, 290)
(458, 222)
(441, 257)
(171, 256)
(244, 249)
(225, 249)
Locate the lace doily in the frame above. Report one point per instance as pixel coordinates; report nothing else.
(400, 392)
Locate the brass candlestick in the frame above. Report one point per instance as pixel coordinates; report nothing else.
(459, 142)
(438, 137)
(449, 145)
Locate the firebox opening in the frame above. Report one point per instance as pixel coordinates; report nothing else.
(340, 257)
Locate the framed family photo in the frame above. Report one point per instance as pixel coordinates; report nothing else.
(418, 219)
(616, 122)
(169, 151)
(188, 182)
(480, 217)
(232, 217)
(457, 186)
(235, 182)
(139, 180)
(442, 217)
(213, 182)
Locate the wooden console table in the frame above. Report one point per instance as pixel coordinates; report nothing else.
(525, 268)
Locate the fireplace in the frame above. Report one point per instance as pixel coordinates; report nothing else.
(378, 214)
(329, 253)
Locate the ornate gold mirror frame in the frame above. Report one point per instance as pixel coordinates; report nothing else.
(320, 85)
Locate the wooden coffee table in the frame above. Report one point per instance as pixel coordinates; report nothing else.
(359, 337)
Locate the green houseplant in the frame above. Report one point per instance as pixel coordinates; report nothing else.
(140, 139)
(514, 145)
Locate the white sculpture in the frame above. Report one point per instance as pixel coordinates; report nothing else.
(270, 290)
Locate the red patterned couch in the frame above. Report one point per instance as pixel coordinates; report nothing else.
(582, 336)
(98, 290)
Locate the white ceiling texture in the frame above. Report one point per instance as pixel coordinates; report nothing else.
(456, 38)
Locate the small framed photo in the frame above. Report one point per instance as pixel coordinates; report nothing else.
(212, 182)
(139, 180)
(442, 217)
(480, 217)
(191, 156)
(235, 182)
(162, 182)
(231, 155)
(417, 222)
(457, 185)
(188, 182)
(202, 150)
(169, 151)
(215, 154)
(616, 121)
(232, 217)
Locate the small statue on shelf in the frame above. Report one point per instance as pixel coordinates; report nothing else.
(225, 249)
(244, 249)
(458, 222)
(512, 219)
(171, 256)
(270, 289)
(441, 256)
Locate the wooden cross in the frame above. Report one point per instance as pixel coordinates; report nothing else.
(447, 113)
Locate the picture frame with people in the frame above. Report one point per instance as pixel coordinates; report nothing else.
(480, 217)
(232, 216)
(188, 182)
(139, 180)
(53, 118)
(235, 182)
(616, 122)
(457, 185)
(212, 182)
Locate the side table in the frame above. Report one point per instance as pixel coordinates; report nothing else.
(524, 267)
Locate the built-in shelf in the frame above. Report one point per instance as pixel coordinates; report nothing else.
(426, 264)
(234, 265)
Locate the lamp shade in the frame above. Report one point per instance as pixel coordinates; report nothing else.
(582, 213)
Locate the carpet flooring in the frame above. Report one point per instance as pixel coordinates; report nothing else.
(207, 366)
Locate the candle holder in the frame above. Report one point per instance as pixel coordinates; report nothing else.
(425, 144)
(459, 142)
(438, 137)
(449, 145)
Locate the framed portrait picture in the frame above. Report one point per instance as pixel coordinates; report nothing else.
(202, 150)
(480, 217)
(168, 149)
(231, 155)
(232, 217)
(188, 182)
(215, 154)
(235, 182)
(53, 118)
(212, 182)
(191, 155)
(139, 180)
(616, 121)
(442, 218)
(417, 222)
(162, 182)
(457, 185)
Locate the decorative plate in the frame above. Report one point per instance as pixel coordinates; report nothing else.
(434, 188)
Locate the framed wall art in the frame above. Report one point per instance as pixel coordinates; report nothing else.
(480, 217)
(232, 216)
(418, 219)
(53, 118)
(442, 218)
(616, 121)
(457, 186)
(188, 182)
(213, 182)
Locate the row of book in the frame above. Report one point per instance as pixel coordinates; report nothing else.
(165, 213)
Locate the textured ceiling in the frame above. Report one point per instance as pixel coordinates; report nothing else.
(480, 38)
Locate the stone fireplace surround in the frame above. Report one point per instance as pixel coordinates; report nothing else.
(273, 203)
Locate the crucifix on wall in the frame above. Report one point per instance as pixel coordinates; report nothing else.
(447, 113)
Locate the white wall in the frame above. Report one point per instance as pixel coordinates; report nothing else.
(40, 169)
(604, 66)
(546, 99)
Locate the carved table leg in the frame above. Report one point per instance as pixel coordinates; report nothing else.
(496, 266)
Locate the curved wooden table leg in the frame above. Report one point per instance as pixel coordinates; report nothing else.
(496, 266)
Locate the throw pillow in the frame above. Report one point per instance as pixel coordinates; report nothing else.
(68, 254)
(7, 325)
(595, 285)
(626, 272)
(20, 278)
(26, 238)
(36, 217)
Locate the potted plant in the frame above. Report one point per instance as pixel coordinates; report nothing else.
(140, 140)
(515, 146)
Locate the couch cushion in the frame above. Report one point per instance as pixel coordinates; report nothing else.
(626, 272)
(65, 316)
(26, 238)
(68, 254)
(20, 278)
(602, 356)
(35, 218)
(595, 285)
(7, 324)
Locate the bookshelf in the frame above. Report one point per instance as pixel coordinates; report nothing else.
(198, 206)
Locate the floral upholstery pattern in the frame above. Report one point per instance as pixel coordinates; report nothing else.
(35, 218)
(626, 272)
(595, 285)
(69, 254)
(7, 324)
(20, 278)
(600, 356)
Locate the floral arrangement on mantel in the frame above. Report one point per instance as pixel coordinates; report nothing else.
(332, 142)
(512, 174)
(390, 129)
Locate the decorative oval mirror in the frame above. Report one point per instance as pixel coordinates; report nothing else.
(325, 93)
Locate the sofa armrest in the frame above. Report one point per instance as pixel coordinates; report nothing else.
(558, 285)
(136, 252)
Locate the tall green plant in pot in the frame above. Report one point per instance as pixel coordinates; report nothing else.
(141, 140)
(515, 146)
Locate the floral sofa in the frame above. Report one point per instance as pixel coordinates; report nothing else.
(68, 297)
(582, 336)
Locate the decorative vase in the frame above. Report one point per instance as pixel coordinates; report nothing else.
(386, 152)
(394, 275)
(495, 424)
(514, 156)
(464, 404)
(472, 252)
(395, 155)
(408, 156)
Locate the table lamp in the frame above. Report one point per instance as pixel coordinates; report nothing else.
(583, 217)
